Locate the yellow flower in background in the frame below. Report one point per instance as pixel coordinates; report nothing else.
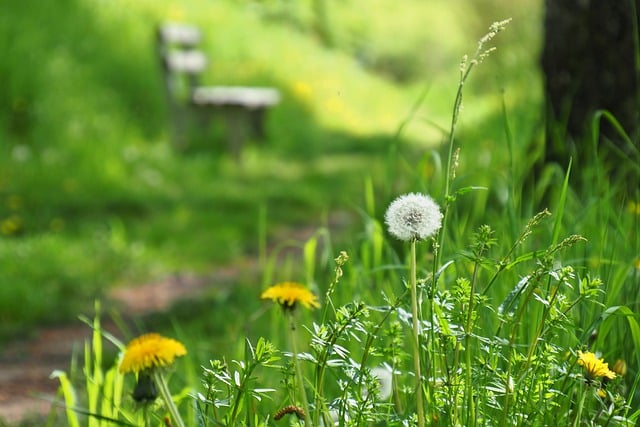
(175, 13)
(288, 294)
(634, 208)
(150, 351)
(594, 367)
(302, 90)
(620, 367)
(11, 226)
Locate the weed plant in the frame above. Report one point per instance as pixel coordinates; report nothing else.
(515, 323)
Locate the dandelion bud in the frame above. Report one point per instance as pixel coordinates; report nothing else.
(146, 390)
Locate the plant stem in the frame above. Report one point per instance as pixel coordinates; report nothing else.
(416, 334)
(512, 339)
(471, 417)
(145, 415)
(576, 422)
(166, 396)
(300, 379)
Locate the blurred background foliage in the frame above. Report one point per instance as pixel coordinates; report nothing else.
(93, 196)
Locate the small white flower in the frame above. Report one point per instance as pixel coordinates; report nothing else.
(413, 216)
(335, 418)
(385, 381)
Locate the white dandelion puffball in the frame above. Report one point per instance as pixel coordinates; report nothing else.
(413, 216)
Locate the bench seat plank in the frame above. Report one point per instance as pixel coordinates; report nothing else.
(181, 34)
(249, 97)
(190, 62)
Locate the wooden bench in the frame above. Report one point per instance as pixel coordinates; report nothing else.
(242, 109)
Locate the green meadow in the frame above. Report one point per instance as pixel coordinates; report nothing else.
(534, 265)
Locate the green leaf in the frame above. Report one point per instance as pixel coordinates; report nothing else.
(69, 394)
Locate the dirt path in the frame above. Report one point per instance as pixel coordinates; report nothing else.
(25, 366)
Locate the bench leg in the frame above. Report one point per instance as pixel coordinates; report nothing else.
(257, 119)
(237, 128)
(179, 128)
(240, 124)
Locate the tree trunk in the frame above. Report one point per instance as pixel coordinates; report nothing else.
(589, 61)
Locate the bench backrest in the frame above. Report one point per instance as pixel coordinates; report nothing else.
(182, 62)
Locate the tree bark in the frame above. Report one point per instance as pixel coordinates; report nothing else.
(589, 61)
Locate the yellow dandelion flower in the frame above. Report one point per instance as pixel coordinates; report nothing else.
(288, 294)
(150, 351)
(594, 367)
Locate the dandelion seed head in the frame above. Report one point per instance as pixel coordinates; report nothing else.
(413, 216)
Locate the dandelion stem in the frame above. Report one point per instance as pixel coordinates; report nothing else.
(145, 415)
(299, 377)
(163, 388)
(416, 334)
